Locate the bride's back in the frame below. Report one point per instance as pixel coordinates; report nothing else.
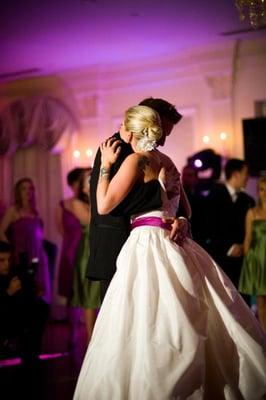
(150, 164)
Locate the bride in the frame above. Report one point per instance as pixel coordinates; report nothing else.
(172, 325)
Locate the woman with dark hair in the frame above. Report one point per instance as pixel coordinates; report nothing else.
(73, 218)
(69, 228)
(23, 228)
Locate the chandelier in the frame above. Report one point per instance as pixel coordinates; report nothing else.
(254, 10)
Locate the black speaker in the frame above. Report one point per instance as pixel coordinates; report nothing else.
(255, 145)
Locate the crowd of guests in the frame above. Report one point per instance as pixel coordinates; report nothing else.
(25, 279)
(25, 283)
(230, 225)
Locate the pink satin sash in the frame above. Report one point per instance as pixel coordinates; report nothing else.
(150, 221)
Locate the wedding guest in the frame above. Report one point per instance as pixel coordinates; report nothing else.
(253, 273)
(197, 201)
(228, 204)
(23, 313)
(23, 228)
(73, 218)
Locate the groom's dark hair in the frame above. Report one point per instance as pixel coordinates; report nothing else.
(163, 108)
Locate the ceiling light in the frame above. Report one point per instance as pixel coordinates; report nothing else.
(254, 10)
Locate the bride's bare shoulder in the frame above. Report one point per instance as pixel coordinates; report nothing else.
(139, 159)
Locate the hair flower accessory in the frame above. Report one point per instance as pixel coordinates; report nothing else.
(146, 144)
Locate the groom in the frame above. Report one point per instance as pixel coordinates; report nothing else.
(109, 232)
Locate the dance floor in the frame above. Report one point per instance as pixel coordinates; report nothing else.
(56, 375)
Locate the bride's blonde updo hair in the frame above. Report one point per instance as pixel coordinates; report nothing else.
(145, 124)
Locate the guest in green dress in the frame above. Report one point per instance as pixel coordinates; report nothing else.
(86, 293)
(253, 274)
(73, 218)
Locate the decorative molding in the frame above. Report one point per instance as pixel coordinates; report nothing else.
(212, 60)
(180, 66)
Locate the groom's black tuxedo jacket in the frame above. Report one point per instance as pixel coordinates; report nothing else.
(226, 226)
(109, 232)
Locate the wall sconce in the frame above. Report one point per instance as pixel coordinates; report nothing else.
(80, 154)
(76, 153)
(89, 152)
(224, 146)
(206, 139)
(223, 135)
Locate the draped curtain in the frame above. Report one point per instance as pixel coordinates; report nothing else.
(36, 120)
(34, 132)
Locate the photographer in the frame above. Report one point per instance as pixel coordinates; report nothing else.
(23, 313)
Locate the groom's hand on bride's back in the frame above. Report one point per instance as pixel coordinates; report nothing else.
(180, 230)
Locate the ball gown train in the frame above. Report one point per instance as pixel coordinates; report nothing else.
(172, 326)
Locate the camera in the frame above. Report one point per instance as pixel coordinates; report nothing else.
(26, 272)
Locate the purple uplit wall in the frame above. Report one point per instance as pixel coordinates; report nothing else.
(56, 35)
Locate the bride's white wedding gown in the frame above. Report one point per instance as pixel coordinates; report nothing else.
(172, 326)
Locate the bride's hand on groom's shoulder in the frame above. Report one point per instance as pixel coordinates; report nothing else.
(110, 150)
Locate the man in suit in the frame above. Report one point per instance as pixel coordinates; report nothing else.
(228, 205)
(190, 182)
(109, 232)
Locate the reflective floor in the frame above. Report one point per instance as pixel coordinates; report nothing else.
(54, 378)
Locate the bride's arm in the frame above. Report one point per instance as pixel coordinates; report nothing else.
(111, 193)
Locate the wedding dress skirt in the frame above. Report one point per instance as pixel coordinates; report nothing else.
(172, 326)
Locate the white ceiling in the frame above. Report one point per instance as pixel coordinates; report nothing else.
(52, 35)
